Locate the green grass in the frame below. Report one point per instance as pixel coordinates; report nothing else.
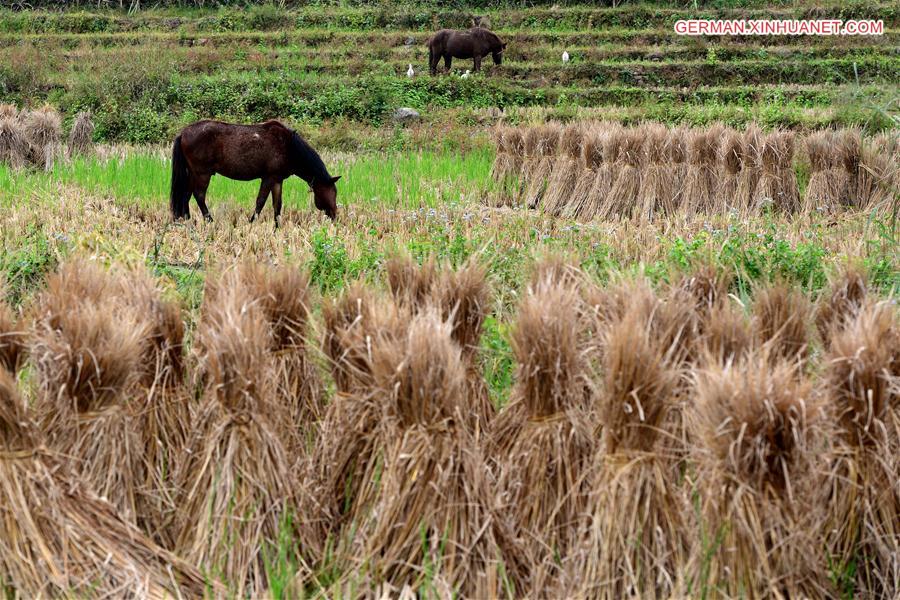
(394, 180)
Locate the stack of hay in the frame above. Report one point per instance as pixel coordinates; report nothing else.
(33, 137)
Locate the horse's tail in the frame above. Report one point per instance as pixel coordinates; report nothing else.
(180, 194)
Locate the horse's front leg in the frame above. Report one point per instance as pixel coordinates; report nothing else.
(448, 60)
(433, 59)
(276, 202)
(477, 63)
(264, 188)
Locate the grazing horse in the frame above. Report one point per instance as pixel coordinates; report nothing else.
(268, 151)
(475, 43)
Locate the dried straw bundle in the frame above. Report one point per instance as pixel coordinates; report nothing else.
(676, 168)
(760, 435)
(12, 335)
(732, 195)
(81, 136)
(537, 170)
(560, 185)
(349, 324)
(283, 294)
(849, 143)
(543, 439)
(59, 539)
(878, 176)
(348, 440)
(164, 417)
(846, 295)
(726, 336)
(14, 150)
(591, 160)
(634, 544)
(827, 184)
(697, 295)
(505, 165)
(702, 180)
(463, 299)
(862, 366)
(606, 174)
(622, 200)
(571, 138)
(236, 477)
(88, 350)
(409, 282)
(752, 167)
(43, 129)
(655, 191)
(863, 360)
(10, 111)
(781, 319)
(777, 184)
(435, 481)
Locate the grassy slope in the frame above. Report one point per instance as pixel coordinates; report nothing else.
(340, 69)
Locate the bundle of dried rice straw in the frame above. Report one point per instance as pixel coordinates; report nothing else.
(59, 539)
(543, 440)
(760, 434)
(236, 478)
(434, 502)
(634, 544)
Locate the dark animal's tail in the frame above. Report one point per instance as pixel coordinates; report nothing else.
(180, 194)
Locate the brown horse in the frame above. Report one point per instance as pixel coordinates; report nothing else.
(475, 43)
(268, 151)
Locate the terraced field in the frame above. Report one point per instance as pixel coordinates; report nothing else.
(537, 354)
(145, 74)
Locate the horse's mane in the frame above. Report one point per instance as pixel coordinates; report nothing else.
(310, 162)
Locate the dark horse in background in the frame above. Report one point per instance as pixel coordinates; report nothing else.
(268, 151)
(475, 43)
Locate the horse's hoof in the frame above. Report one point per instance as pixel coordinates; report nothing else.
(207, 218)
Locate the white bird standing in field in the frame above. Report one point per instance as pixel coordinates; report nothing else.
(466, 74)
(565, 56)
(409, 71)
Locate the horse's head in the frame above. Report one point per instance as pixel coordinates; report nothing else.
(325, 196)
(497, 53)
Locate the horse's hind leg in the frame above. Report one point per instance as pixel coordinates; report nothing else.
(276, 201)
(200, 183)
(477, 66)
(264, 188)
(448, 60)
